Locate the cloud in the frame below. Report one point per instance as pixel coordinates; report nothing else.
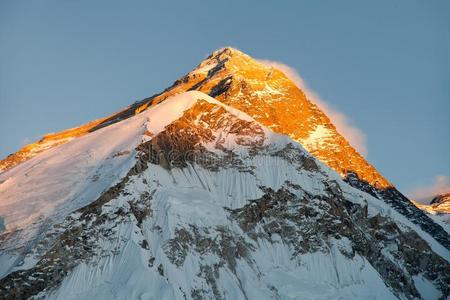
(25, 141)
(344, 126)
(424, 194)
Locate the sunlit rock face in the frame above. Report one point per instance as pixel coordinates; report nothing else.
(442, 201)
(267, 95)
(261, 91)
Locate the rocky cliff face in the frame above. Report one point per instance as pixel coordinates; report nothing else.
(192, 199)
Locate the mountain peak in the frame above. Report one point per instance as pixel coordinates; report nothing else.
(269, 96)
(226, 52)
(264, 93)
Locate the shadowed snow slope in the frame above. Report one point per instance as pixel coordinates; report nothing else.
(193, 199)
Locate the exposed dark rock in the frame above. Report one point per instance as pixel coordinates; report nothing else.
(221, 87)
(151, 261)
(440, 199)
(405, 207)
(161, 270)
(225, 245)
(307, 223)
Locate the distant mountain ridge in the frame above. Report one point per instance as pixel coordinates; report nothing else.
(438, 209)
(441, 199)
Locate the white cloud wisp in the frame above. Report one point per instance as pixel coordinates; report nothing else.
(425, 193)
(344, 126)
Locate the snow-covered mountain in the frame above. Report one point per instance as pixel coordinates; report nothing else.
(438, 209)
(271, 98)
(192, 196)
(442, 202)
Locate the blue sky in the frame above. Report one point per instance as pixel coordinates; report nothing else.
(384, 64)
